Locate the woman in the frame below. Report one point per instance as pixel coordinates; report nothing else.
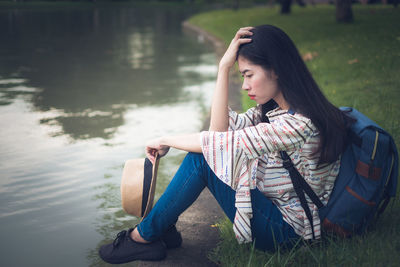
(238, 158)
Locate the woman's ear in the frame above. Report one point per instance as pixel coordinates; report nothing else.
(273, 75)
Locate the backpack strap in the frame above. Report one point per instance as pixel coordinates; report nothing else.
(300, 187)
(354, 138)
(386, 195)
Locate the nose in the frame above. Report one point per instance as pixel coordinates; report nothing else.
(245, 86)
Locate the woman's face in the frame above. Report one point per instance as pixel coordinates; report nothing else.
(261, 85)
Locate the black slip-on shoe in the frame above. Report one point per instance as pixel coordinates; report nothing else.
(125, 249)
(172, 238)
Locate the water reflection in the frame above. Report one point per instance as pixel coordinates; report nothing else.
(81, 91)
(90, 64)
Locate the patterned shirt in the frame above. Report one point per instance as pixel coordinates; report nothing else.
(247, 157)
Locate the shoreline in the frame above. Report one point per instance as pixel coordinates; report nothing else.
(197, 223)
(234, 98)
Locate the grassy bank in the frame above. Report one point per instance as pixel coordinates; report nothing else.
(355, 65)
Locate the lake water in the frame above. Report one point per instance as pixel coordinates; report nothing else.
(81, 90)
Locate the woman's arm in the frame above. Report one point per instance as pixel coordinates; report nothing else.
(219, 120)
(188, 142)
(219, 109)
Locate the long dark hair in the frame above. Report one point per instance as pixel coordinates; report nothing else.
(273, 50)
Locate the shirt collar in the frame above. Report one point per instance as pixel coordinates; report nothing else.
(275, 111)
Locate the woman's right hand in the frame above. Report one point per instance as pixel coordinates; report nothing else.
(229, 58)
(154, 147)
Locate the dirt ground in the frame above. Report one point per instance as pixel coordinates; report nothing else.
(199, 237)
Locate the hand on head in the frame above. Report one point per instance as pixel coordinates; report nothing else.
(229, 58)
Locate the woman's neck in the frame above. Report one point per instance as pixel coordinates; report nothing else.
(281, 101)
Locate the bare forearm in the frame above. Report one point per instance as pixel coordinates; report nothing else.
(189, 142)
(219, 108)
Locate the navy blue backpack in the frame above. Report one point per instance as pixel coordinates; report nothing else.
(366, 182)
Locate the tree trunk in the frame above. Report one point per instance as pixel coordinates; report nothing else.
(285, 6)
(236, 4)
(343, 11)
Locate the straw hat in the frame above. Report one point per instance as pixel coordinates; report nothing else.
(138, 186)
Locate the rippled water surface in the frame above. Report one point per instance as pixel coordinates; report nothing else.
(81, 90)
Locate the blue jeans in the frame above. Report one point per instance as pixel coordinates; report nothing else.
(267, 225)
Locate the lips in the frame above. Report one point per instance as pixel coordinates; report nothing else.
(252, 96)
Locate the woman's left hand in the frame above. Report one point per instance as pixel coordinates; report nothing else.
(153, 147)
(229, 58)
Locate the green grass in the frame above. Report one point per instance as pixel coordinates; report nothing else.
(371, 85)
(380, 247)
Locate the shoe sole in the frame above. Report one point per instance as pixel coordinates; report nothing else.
(142, 257)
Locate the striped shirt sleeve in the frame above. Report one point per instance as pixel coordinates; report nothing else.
(234, 158)
(239, 121)
(225, 156)
(228, 153)
(285, 134)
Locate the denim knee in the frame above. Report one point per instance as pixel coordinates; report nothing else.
(269, 230)
(181, 192)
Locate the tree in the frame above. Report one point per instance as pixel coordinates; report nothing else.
(285, 6)
(344, 12)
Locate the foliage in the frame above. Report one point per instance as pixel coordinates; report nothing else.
(355, 65)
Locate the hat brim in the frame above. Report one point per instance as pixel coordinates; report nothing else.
(152, 190)
(138, 185)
